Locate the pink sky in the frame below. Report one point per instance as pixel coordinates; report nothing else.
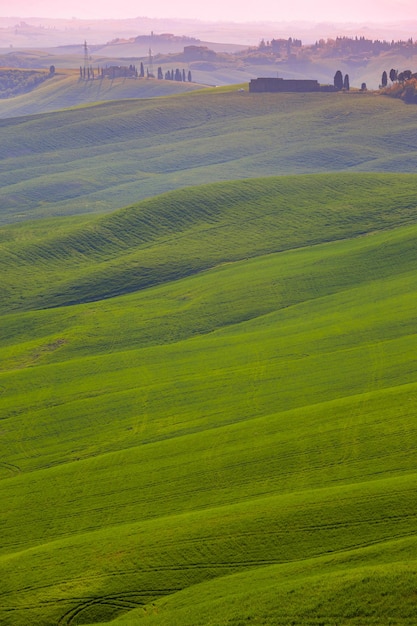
(224, 10)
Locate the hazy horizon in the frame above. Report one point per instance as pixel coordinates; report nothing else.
(376, 11)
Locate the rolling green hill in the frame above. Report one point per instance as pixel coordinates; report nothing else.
(101, 157)
(58, 262)
(207, 408)
(65, 90)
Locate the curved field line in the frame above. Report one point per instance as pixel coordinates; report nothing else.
(12, 470)
(120, 602)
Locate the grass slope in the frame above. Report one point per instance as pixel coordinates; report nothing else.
(65, 90)
(228, 446)
(161, 239)
(101, 157)
(319, 592)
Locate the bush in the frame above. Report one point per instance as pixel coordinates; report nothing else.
(404, 87)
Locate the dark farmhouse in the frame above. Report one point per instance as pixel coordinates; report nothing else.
(281, 85)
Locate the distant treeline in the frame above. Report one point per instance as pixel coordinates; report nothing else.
(15, 82)
(335, 48)
(345, 46)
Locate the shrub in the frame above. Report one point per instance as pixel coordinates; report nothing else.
(406, 91)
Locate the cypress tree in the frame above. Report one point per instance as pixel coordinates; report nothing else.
(338, 80)
(346, 84)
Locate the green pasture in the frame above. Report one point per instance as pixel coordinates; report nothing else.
(100, 157)
(46, 264)
(318, 592)
(207, 408)
(65, 90)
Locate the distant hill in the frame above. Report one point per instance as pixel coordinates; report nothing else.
(230, 64)
(159, 44)
(29, 32)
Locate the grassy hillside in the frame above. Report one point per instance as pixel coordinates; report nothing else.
(60, 262)
(230, 437)
(97, 158)
(65, 90)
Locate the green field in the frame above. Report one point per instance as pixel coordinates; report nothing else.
(208, 402)
(105, 156)
(65, 90)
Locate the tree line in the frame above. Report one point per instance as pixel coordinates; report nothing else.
(131, 71)
(337, 47)
(396, 76)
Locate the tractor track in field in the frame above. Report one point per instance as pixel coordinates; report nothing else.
(12, 470)
(117, 603)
